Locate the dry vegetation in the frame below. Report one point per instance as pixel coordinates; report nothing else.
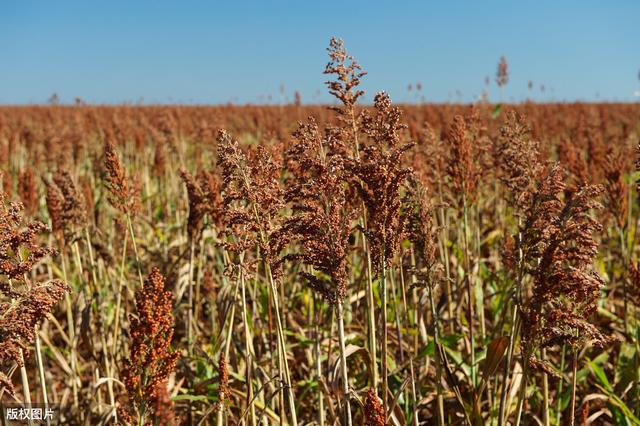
(434, 264)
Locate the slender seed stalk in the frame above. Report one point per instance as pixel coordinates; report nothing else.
(560, 383)
(25, 386)
(371, 320)
(468, 282)
(121, 279)
(282, 346)
(43, 382)
(574, 385)
(248, 350)
(189, 324)
(385, 337)
(318, 358)
(507, 365)
(135, 249)
(71, 331)
(545, 392)
(343, 364)
(438, 361)
(523, 391)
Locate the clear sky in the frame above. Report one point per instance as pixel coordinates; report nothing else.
(244, 51)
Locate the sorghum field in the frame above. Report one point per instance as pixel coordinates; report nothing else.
(344, 265)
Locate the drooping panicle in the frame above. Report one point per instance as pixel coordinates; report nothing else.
(66, 205)
(18, 236)
(23, 303)
(420, 230)
(28, 190)
(124, 190)
(203, 191)
(518, 161)
(373, 410)
(502, 73)
(378, 176)
(559, 250)
(462, 164)
(252, 197)
(348, 74)
(322, 211)
(616, 190)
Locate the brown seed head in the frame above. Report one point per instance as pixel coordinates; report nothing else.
(373, 410)
(151, 359)
(502, 74)
(378, 176)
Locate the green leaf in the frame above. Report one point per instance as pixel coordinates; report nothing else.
(450, 340)
(496, 111)
(600, 375)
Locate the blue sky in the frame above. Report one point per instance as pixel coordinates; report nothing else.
(217, 52)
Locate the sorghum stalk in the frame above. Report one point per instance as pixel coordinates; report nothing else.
(467, 276)
(343, 363)
(385, 373)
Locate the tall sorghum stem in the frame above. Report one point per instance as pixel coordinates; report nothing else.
(226, 349)
(318, 356)
(445, 249)
(121, 279)
(436, 343)
(513, 331)
(507, 366)
(385, 337)
(468, 281)
(248, 349)
(523, 390)
(282, 346)
(135, 250)
(72, 332)
(189, 324)
(371, 319)
(625, 261)
(560, 383)
(25, 385)
(545, 392)
(43, 383)
(343, 364)
(574, 385)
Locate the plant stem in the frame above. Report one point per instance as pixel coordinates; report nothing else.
(43, 383)
(507, 365)
(467, 276)
(545, 391)
(318, 357)
(560, 382)
(72, 332)
(574, 384)
(436, 344)
(523, 390)
(371, 319)
(189, 324)
(343, 364)
(25, 385)
(135, 249)
(248, 350)
(385, 337)
(116, 331)
(282, 346)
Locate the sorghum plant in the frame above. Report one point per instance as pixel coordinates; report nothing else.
(151, 360)
(321, 223)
